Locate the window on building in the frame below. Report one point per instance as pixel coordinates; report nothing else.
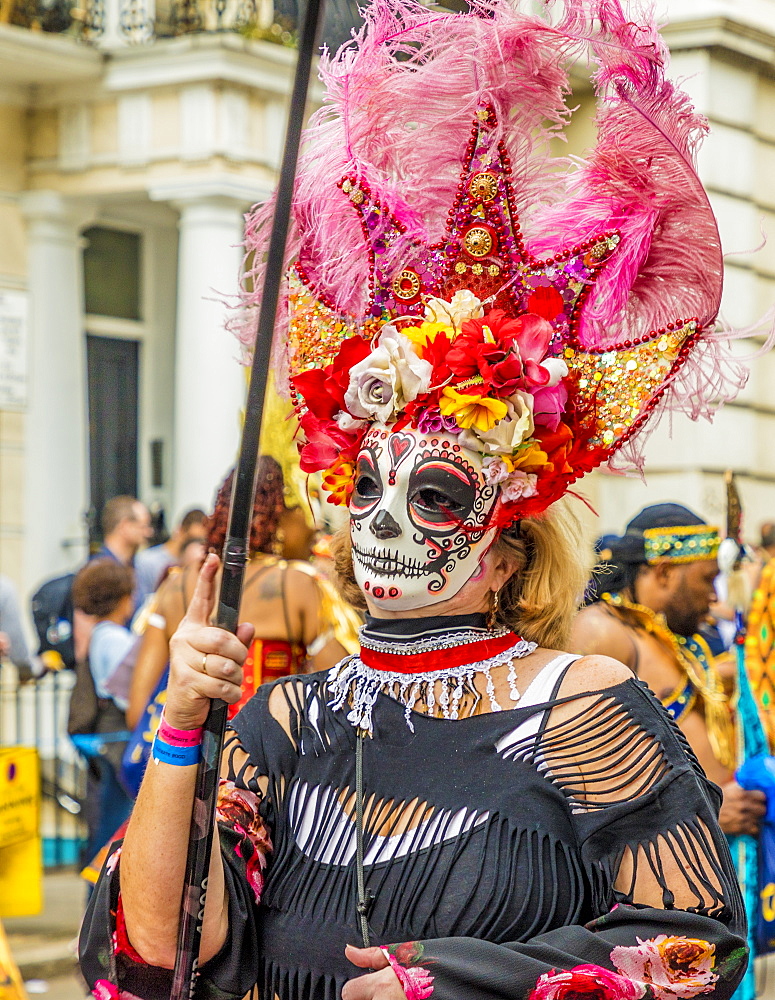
(112, 261)
(111, 273)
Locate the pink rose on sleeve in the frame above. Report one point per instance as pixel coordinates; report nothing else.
(416, 982)
(586, 981)
(104, 990)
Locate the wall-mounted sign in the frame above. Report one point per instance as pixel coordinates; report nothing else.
(13, 350)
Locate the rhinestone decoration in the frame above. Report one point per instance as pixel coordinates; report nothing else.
(407, 285)
(353, 684)
(428, 644)
(309, 313)
(482, 229)
(483, 186)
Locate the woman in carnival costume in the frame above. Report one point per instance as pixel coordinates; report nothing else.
(472, 325)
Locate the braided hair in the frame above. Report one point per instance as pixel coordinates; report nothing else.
(268, 507)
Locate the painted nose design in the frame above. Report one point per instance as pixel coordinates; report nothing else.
(385, 526)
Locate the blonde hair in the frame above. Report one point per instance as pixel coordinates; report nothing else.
(552, 565)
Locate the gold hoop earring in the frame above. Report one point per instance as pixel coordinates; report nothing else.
(493, 612)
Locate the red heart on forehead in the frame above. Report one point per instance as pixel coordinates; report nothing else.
(399, 446)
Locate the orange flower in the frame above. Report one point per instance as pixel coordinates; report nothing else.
(338, 481)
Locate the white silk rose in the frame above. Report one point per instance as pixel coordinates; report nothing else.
(464, 305)
(349, 423)
(557, 371)
(390, 377)
(508, 434)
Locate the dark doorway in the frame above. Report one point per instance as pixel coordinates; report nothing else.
(113, 374)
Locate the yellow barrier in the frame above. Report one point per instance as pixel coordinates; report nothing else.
(21, 861)
(11, 985)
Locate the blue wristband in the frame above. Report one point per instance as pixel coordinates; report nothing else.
(179, 756)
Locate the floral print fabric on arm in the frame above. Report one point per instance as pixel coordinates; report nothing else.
(579, 963)
(664, 967)
(669, 923)
(237, 814)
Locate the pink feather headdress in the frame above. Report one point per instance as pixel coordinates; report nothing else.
(548, 303)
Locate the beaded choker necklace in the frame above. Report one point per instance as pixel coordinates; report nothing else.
(433, 660)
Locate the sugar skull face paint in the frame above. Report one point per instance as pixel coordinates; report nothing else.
(418, 517)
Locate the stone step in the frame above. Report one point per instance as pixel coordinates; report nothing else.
(41, 957)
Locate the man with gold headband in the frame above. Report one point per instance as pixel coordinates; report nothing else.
(652, 599)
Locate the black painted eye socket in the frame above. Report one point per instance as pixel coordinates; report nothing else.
(441, 495)
(436, 502)
(367, 488)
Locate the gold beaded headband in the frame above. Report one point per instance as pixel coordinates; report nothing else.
(689, 544)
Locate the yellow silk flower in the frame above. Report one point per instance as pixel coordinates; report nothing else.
(420, 335)
(530, 457)
(480, 412)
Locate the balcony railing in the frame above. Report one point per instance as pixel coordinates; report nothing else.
(138, 22)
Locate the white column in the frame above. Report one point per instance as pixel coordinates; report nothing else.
(209, 381)
(56, 467)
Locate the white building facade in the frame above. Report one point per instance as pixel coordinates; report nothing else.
(723, 52)
(128, 170)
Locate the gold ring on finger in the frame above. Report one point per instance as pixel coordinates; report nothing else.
(204, 663)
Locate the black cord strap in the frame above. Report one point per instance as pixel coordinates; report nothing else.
(365, 897)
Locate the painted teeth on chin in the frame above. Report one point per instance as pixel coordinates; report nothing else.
(389, 565)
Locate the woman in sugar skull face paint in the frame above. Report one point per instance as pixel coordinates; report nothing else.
(530, 826)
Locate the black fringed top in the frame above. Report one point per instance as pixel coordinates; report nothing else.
(509, 853)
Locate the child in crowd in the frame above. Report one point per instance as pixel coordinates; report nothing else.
(103, 589)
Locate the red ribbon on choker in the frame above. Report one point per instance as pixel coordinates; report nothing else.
(437, 659)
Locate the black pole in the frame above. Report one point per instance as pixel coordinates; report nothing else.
(235, 551)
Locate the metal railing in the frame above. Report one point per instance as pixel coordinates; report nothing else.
(34, 714)
(139, 22)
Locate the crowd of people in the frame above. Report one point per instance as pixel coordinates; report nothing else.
(129, 599)
(651, 597)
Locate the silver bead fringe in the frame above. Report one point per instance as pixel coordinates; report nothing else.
(352, 682)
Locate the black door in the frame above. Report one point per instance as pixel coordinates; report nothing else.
(113, 369)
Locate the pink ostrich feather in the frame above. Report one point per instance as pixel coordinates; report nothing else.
(401, 96)
(641, 179)
(400, 101)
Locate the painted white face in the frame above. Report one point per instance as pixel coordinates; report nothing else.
(417, 517)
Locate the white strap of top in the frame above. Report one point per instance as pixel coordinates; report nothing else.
(541, 687)
(538, 691)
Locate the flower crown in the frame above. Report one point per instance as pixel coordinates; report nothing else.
(474, 337)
